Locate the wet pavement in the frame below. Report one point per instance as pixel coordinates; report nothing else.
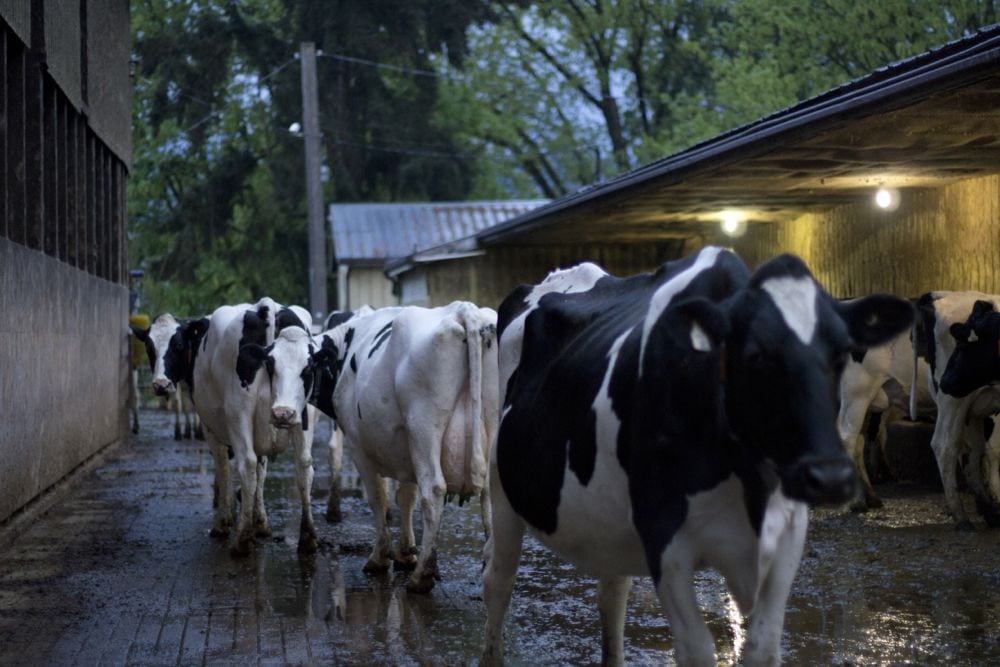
(124, 572)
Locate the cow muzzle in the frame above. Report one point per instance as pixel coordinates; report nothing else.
(821, 481)
(162, 387)
(283, 417)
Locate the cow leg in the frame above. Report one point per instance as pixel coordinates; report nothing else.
(261, 526)
(432, 489)
(133, 398)
(763, 645)
(333, 511)
(176, 400)
(486, 511)
(308, 540)
(977, 470)
(693, 643)
(246, 463)
(612, 596)
(222, 487)
(381, 554)
(406, 546)
(991, 461)
(855, 399)
(947, 431)
(502, 555)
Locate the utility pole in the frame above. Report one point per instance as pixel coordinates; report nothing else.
(314, 187)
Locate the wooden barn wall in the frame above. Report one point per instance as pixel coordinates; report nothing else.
(938, 239)
(369, 286)
(488, 279)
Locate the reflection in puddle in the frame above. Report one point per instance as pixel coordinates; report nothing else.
(900, 586)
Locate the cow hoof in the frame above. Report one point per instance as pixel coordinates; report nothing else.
(241, 549)
(135, 428)
(421, 585)
(859, 507)
(334, 515)
(965, 526)
(374, 567)
(177, 435)
(308, 544)
(219, 531)
(262, 530)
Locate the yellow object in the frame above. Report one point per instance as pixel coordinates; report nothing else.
(139, 321)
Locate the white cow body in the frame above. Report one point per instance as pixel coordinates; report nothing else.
(239, 417)
(882, 380)
(959, 425)
(417, 399)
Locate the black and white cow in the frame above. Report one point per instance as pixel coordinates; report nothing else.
(256, 414)
(415, 392)
(661, 423)
(336, 442)
(236, 410)
(949, 321)
(880, 380)
(163, 332)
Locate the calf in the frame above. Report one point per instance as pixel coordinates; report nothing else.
(415, 392)
(957, 335)
(658, 424)
(879, 379)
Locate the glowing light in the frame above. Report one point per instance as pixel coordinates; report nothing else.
(733, 224)
(887, 199)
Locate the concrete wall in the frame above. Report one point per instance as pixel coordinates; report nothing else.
(940, 239)
(63, 371)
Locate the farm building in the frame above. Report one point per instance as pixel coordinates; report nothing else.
(367, 236)
(65, 150)
(802, 180)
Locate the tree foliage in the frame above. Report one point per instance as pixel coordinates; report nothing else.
(452, 100)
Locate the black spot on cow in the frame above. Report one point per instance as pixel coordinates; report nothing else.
(182, 351)
(336, 318)
(285, 318)
(380, 337)
(354, 363)
(327, 364)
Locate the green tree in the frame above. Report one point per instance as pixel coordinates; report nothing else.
(216, 200)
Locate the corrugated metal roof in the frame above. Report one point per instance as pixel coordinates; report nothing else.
(374, 233)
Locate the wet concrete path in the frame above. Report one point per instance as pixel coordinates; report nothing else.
(124, 572)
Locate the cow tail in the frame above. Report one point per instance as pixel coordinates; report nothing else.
(473, 335)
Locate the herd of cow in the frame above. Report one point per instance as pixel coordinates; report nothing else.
(642, 426)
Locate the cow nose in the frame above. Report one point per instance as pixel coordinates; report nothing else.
(821, 480)
(828, 482)
(162, 387)
(282, 416)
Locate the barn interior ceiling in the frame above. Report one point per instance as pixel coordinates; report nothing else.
(921, 123)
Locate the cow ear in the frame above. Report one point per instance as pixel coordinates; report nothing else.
(250, 359)
(194, 331)
(960, 331)
(707, 325)
(980, 310)
(876, 319)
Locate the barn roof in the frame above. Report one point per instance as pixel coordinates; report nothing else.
(374, 233)
(920, 122)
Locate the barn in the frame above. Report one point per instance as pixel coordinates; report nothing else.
(368, 236)
(65, 147)
(802, 180)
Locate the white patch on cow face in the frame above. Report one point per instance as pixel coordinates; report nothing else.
(291, 356)
(796, 300)
(160, 332)
(668, 290)
(699, 339)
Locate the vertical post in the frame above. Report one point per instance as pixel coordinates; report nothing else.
(314, 189)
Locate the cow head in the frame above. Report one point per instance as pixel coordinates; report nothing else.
(789, 343)
(289, 363)
(975, 362)
(171, 347)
